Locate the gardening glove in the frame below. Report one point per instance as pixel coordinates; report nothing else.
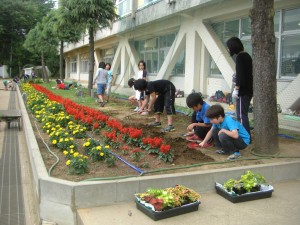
(235, 94)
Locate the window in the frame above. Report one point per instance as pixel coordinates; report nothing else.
(287, 33)
(84, 68)
(84, 63)
(123, 7)
(179, 68)
(108, 54)
(226, 30)
(74, 65)
(290, 57)
(154, 51)
(291, 19)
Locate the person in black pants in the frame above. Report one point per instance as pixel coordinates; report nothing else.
(243, 91)
(200, 123)
(162, 94)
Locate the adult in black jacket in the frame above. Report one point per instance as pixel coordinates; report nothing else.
(243, 91)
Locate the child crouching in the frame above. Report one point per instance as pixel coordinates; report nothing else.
(228, 134)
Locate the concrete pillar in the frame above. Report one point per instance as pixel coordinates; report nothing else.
(192, 61)
(67, 67)
(78, 66)
(204, 69)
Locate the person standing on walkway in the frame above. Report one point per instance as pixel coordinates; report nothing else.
(110, 78)
(243, 90)
(101, 79)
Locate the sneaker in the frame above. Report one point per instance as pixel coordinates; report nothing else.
(155, 124)
(220, 152)
(136, 109)
(102, 104)
(234, 156)
(193, 138)
(168, 128)
(145, 113)
(188, 134)
(193, 145)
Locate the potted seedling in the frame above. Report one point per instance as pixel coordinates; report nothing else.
(164, 203)
(250, 186)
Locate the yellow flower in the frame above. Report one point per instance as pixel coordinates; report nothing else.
(87, 144)
(71, 146)
(68, 162)
(48, 131)
(101, 154)
(71, 151)
(61, 140)
(76, 154)
(106, 146)
(66, 139)
(54, 142)
(98, 148)
(65, 152)
(71, 138)
(86, 157)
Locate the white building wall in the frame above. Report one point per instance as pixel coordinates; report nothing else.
(191, 20)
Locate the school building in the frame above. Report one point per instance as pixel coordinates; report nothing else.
(184, 41)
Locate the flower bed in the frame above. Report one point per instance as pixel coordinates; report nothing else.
(250, 187)
(164, 203)
(64, 121)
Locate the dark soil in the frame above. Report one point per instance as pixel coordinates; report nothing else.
(184, 156)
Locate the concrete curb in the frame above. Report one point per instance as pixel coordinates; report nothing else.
(59, 199)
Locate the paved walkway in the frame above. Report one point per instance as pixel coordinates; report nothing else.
(281, 209)
(11, 194)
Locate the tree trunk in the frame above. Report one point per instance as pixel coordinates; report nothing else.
(264, 78)
(45, 74)
(61, 61)
(91, 60)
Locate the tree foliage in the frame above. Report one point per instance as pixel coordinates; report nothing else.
(16, 19)
(264, 77)
(92, 15)
(41, 39)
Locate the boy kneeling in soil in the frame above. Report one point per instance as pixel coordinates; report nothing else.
(165, 90)
(227, 133)
(200, 123)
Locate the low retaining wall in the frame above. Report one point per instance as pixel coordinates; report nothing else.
(59, 199)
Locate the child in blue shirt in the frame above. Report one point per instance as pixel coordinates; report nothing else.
(200, 123)
(227, 133)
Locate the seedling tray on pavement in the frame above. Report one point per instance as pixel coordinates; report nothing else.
(265, 192)
(167, 213)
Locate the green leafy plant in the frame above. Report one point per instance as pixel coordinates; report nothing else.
(78, 164)
(249, 182)
(110, 161)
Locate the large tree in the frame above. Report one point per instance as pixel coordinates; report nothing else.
(16, 19)
(94, 15)
(264, 77)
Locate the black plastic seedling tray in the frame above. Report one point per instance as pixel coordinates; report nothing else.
(167, 213)
(267, 193)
